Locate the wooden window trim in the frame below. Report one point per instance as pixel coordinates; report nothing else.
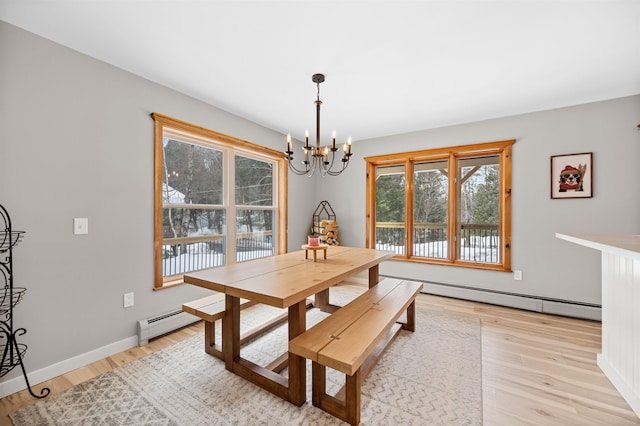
(173, 125)
(501, 148)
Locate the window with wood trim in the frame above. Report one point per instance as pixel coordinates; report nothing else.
(448, 206)
(218, 200)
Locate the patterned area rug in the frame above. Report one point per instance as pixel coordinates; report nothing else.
(432, 376)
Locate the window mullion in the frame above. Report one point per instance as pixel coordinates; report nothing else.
(409, 209)
(230, 201)
(452, 217)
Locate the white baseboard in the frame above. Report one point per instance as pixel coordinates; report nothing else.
(18, 383)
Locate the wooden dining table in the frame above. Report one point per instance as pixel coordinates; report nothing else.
(283, 281)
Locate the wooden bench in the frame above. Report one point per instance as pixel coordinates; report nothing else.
(353, 339)
(211, 309)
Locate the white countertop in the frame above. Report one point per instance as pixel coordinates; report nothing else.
(621, 244)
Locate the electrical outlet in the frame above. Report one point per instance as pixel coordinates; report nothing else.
(128, 300)
(517, 275)
(80, 225)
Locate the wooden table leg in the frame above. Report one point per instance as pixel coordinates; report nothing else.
(231, 332)
(374, 276)
(322, 300)
(297, 364)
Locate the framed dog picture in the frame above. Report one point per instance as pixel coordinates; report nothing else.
(571, 175)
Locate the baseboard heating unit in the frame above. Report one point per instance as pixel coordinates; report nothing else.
(519, 301)
(162, 324)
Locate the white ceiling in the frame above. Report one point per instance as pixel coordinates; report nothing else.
(391, 66)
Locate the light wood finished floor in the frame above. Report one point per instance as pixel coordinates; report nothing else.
(537, 369)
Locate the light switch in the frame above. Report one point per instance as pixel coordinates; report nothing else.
(80, 225)
(128, 300)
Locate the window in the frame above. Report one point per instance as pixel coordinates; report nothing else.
(445, 206)
(218, 200)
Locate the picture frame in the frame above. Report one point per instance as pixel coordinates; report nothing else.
(572, 175)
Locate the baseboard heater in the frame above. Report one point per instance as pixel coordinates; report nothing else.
(531, 303)
(163, 324)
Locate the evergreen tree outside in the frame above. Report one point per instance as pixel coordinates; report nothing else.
(390, 208)
(479, 209)
(390, 198)
(431, 195)
(486, 199)
(253, 187)
(478, 212)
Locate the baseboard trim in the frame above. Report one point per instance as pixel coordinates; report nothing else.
(18, 383)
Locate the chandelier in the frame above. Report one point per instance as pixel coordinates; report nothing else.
(319, 158)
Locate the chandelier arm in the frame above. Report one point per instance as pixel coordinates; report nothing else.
(328, 168)
(293, 168)
(300, 172)
(345, 163)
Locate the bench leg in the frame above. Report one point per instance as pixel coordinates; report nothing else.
(352, 399)
(411, 317)
(348, 409)
(319, 383)
(210, 346)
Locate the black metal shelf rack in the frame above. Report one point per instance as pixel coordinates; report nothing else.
(12, 351)
(323, 211)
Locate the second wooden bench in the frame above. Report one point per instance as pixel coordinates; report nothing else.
(352, 340)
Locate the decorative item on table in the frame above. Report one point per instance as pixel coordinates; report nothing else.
(313, 240)
(325, 224)
(314, 244)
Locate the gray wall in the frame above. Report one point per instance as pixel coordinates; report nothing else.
(76, 140)
(552, 268)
